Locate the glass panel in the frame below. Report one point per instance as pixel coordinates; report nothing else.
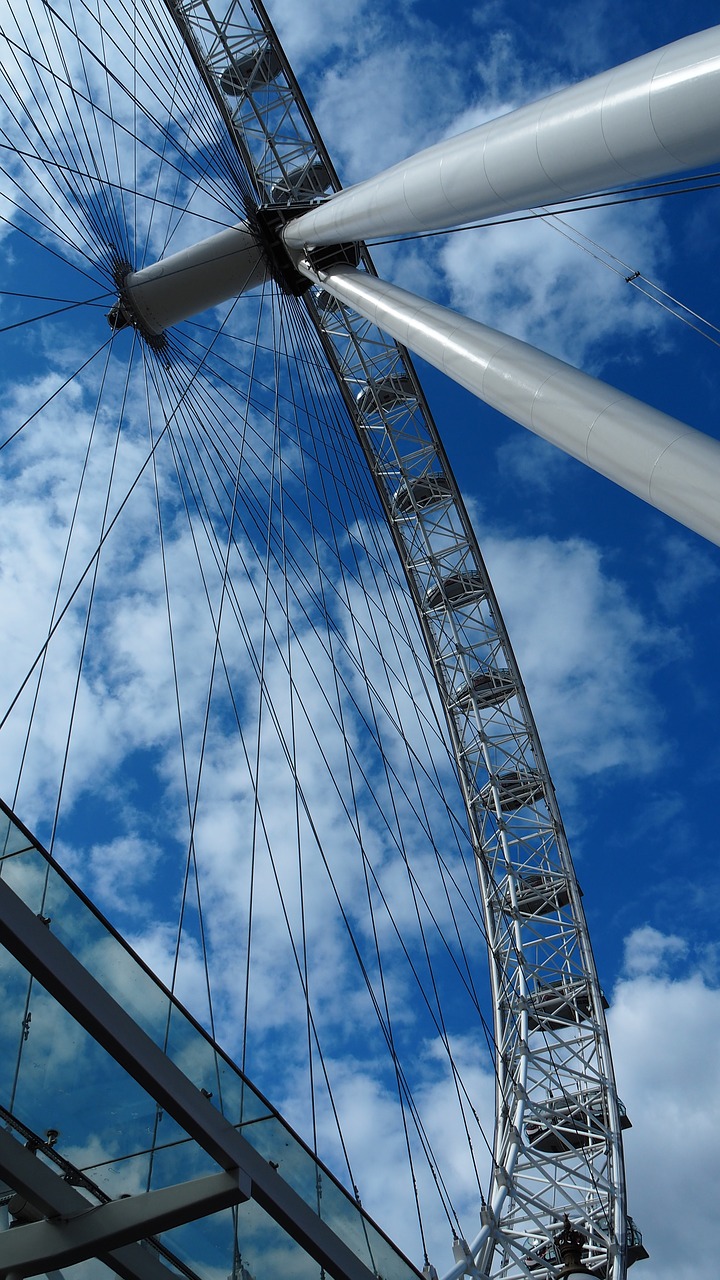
(65, 1089)
(12, 839)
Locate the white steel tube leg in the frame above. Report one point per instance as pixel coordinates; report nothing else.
(188, 282)
(669, 464)
(656, 115)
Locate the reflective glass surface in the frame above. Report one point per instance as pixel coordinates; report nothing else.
(65, 1096)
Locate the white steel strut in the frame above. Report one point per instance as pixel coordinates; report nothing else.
(656, 115)
(669, 464)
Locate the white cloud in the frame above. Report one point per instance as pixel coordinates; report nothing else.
(649, 952)
(319, 31)
(397, 81)
(535, 464)
(685, 570)
(532, 281)
(665, 1029)
(585, 650)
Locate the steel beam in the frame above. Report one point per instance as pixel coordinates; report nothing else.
(188, 282)
(48, 1195)
(32, 1249)
(66, 979)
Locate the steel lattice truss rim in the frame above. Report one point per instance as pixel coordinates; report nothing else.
(558, 1129)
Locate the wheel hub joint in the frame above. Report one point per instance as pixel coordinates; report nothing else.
(123, 315)
(269, 222)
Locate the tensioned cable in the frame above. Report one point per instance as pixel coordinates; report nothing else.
(633, 277)
(184, 157)
(356, 824)
(48, 315)
(164, 36)
(52, 229)
(104, 209)
(265, 831)
(116, 222)
(357, 577)
(279, 325)
(472, 878)
(369, 727)
(154, 198)
(192, 852)
(191, 803)
(27, 1015)
(278, 320)
(306, 974)
(191, 808)
(591, 1173)
(63, 566)
(125, 222)
(43, 106)
(90, 563)
(45, 297)
(63, 385)
(48, 248)
(157, 1113)
(155, 203)
(187, 156)
(93, 584)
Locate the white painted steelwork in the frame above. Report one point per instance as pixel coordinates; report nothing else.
(550, 1029)
(657, 115)
(549, 1021)
(671, 465)
(201, 276)
(43, 1246)
(516, 827)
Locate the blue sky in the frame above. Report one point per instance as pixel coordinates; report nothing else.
(610, 605)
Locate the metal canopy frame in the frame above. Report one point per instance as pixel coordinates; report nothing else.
(74, 1230)
(55, 1223)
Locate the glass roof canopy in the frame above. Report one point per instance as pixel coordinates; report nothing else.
(118, 1093)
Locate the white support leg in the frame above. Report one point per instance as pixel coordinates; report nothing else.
(656, 115)
(669, 464)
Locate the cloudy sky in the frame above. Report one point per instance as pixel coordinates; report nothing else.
(611, 607)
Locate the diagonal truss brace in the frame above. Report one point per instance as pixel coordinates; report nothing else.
(85, 999)
(78, 1230)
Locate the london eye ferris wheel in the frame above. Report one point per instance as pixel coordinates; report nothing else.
(260, 695)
